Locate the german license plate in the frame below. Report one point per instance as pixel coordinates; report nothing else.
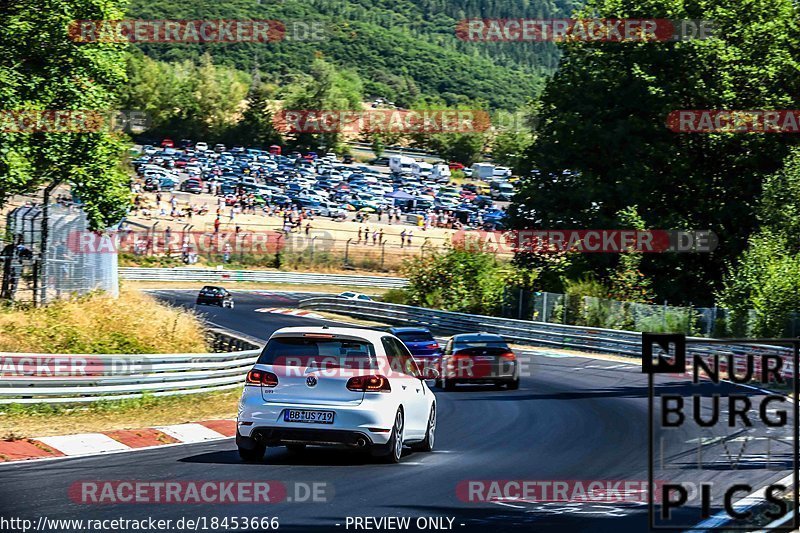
(308, 417)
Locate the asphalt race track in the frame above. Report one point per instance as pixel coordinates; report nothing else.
(573, 418)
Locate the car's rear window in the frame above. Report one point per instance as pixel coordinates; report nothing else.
(414, 336)
(325, 353)
(478, 343)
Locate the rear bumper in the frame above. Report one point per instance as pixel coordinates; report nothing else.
(210, 301)
(372, 419)
(498, 372)
(276, 436)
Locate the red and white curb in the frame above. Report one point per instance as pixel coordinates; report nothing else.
(121, 440)
(293, 312)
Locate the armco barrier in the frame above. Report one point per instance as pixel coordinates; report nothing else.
(208, 275)
(128, 376)
(586, 339)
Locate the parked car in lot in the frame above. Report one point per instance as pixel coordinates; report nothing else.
(194, 186)
(321, 185)
(331, 209)
(159, 184)
(347, 387)
(478, 358)
(210, 295)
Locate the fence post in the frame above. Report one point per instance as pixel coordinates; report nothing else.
(383, 253)
(347, 251)
(544, 307)
(313, 240)
(152, 238)
(664, 316)
(712, 329)
(519, 305)
(565, 301)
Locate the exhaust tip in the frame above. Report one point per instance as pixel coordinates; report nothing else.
(361, 442)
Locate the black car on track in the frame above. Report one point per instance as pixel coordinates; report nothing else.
(210, 295)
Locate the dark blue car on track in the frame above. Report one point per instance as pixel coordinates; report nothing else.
(421, 344)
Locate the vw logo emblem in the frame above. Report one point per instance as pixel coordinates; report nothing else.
(311, 381)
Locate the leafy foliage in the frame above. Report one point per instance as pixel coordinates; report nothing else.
(199, 100)
(463, 280)
(766, 278)
(42, 69)
(403, 49)
(602, 119)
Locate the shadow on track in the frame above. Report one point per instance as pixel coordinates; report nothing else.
(279, 456)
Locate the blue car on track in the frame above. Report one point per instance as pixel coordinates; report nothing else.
(421, 344)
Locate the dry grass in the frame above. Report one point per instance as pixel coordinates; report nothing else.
(17, 422)
(97, 323)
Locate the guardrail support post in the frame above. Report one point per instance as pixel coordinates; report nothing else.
(347, 252)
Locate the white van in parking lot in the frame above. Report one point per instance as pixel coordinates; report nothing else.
(441, 172)
(421, 169)
(400, 163)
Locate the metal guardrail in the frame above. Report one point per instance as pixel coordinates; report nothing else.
(119, 377)
(270, 276)
(116, 377)
(586, 339)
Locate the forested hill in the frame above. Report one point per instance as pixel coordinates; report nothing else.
(402, 49)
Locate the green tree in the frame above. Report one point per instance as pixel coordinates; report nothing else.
(766, 277)
(509, 148)
(326, 88)
(41, 68)
(628, 283)
(602, 143)
(377, 145)
(257, 127)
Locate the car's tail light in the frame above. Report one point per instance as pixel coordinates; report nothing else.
(261, 377)
(433, 346)
(508, 356)
(374, 383)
